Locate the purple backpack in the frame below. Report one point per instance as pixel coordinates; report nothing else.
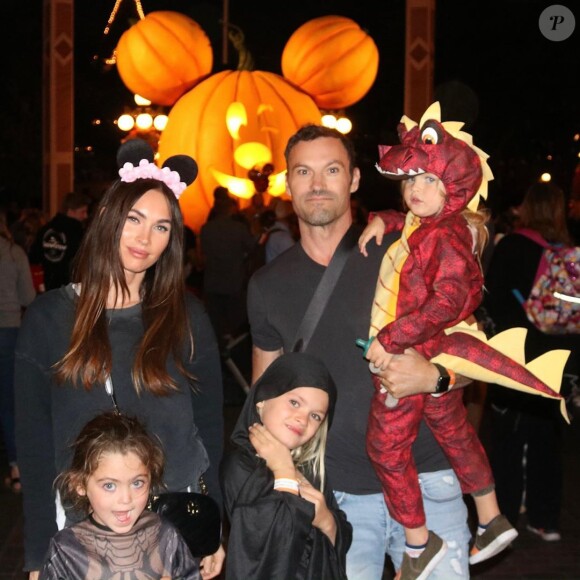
(553, 305)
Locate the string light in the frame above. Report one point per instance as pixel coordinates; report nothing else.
(115, 10)
(138, 6)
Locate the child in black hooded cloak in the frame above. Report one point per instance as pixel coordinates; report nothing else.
(284, 520)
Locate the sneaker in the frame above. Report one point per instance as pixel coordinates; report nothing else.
(498, 535)
(419, 568)
(546, 535)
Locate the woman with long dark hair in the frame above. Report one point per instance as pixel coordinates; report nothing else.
(127, 317)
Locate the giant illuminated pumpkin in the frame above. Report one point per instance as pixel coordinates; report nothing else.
(229, 123)
(333, 60)
(164, 55)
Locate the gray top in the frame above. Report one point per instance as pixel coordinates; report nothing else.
(16, 288)
(49, 416)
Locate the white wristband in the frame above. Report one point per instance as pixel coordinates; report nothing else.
(286, 483)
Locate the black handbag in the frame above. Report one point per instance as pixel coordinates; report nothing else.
(195, 515)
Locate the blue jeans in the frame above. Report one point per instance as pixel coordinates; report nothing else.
(7, 346)
(375, 533)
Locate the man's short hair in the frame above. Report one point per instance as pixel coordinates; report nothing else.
(74, 200)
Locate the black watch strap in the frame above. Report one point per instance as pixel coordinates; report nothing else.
(443, 380)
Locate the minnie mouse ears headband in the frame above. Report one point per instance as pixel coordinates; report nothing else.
(135, 159)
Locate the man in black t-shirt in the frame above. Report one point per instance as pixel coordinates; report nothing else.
(321, 177)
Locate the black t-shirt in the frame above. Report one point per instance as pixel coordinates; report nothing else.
(278, 296)
(55, 247)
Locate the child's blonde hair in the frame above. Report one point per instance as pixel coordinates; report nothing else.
(312, 453)
(477, 222)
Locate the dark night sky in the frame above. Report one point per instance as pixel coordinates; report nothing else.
(519, 92)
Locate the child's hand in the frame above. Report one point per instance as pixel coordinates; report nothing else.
(378, 356)
(211, 566)
(276, 454)
(323, 518)
(375, 229)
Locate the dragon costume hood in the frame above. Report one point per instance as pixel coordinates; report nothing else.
(443, 150)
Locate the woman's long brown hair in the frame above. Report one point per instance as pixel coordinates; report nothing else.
(544, 210)
(97, 266)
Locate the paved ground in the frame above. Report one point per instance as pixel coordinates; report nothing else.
(530, 558)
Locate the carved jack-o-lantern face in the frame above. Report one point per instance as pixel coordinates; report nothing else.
(232, 123)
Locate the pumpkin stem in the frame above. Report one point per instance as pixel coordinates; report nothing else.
(245, 58)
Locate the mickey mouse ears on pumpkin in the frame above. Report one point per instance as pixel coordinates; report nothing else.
(134, 151)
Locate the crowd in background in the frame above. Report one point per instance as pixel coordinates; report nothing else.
(37, 253)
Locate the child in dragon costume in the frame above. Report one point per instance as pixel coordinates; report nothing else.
(430, 282)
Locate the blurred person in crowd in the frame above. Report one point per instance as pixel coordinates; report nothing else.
(526, 451)
(573, 213)
(16, 293)
(225, 245)
(58, 241)
(280, 236)
(25, 228)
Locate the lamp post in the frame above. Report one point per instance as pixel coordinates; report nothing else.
(337, 120)
(144, 121)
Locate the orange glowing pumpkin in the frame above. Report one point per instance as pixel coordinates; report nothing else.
(228, 122)
(333, 60)
(164, 55)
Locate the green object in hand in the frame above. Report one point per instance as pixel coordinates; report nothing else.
(364, 344)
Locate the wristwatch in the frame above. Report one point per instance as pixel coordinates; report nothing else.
(444, 380)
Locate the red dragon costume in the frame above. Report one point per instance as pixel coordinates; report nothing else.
(430, 282)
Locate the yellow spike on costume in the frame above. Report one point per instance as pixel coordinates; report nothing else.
(409, 123)
(511, 343)
(549, 367)
(473, 205)
(482, 154)
(466, 138)
(453, 127)
(433, 112)
(483, 189)
(384, 306)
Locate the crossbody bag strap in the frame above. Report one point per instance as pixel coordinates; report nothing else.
(324, 289)
(111, 393)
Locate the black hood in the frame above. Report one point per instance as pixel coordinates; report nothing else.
(287, 372)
